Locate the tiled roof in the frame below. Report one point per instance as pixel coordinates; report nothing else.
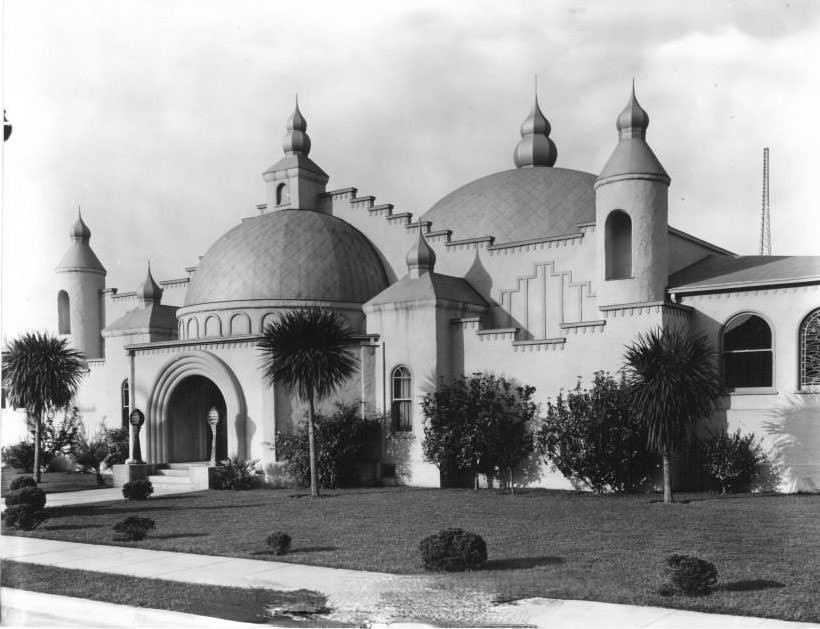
(153, 316)
(429, 286)
(716, 272)
(80, 256)
(289, 254)
(518, 204)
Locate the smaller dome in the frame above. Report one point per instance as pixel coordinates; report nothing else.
(296, 139)
(535, 148)
(421, 257)
(149, 290)
(633, 120)
(79, 229)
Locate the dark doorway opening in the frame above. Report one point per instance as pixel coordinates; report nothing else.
(189, 435)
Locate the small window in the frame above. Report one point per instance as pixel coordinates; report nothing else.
(63, 313)
(282, 194)
(125, 402)
(747, 352)
(401, 410)
(618, 246)
(810, 350)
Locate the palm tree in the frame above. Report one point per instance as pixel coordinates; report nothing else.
(674, 382)
(309, 351)
(41, 374)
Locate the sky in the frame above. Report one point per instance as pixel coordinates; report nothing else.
(158, 117)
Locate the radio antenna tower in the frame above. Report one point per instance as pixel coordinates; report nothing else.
(765, 216)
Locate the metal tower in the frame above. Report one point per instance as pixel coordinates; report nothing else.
(765, 217)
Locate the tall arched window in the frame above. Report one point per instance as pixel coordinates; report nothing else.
(618, 245)
(401, 408)
(282, 194)
(125, 403)
(747, 352)
(63, 313)
(810, 350)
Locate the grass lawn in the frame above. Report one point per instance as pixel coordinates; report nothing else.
(239, 604)
(540, 543)
(56, 482)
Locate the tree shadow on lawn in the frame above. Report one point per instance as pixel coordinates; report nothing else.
(136, 506)
(302, 549)
(522, 563)
(72, 527)
(179, 535)
(750, 585)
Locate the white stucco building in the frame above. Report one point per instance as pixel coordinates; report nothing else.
(539, 274)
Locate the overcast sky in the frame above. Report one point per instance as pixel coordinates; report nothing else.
(159, 117)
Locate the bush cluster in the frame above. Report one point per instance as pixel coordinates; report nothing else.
(19, 456)
(134, 528)
(238, 473)
(24, 504)
(733, 461)
(278, 542)
(688, 575)
(138, 489)
(22, 481)
(343, 441)
(23, 516)
(28, 495)
(453, 550)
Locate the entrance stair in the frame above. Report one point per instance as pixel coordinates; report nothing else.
(177, 478)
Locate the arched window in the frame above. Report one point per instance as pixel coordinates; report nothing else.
(810, 350)
(618, 246)
(63, 313)
(213, 326)
(125, 402)
(282, 194)
(747, 352)
(193, 328)
(401, 409)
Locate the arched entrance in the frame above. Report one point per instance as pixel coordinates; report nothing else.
(189, 435)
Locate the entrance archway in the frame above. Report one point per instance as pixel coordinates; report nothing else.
(189, 435)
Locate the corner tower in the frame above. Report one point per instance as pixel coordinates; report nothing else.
(631, 214)
(79, 301)
(295, 181)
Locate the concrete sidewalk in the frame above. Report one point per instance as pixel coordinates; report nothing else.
(366, 598)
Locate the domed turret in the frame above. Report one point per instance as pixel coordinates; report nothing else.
(421, 258)
(149, 291)
(535, 148)
(79, 230)
(296, 139)
(633, 120)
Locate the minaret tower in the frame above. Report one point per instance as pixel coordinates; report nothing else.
(631, 208)
(295, 181)
(80, 300)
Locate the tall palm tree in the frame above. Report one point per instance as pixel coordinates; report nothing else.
(41, 374)
(674, 382)
(309, 351)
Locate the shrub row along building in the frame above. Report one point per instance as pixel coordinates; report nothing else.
(539, 274)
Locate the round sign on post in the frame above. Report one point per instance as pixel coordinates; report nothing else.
(136, 419)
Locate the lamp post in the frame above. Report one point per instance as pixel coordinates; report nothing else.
(136, 419)
(213, 420)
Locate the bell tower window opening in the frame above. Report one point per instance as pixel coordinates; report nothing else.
(747, 352)
(125, 403)
(810, 350)
(63, 313)
(618, 246)
(282, 194)
(401, 408)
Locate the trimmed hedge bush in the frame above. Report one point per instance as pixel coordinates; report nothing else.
(134, 528)
(689, 575)
(138, 489)
(22, 516)
(22, 481)
(453, 550)
(33, 496)
(279, 542)
(20, 456)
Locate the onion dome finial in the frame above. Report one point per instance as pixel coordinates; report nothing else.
(421, 258)
(79, 230)
(149, 290)
(535, 148)
(296, 139)
(633, 120)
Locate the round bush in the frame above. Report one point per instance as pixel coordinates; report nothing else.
(134, 528)
(279, 542)
(33, 496)
(688, 575)
(453, 550)
(22, 516)
(137, 489)
(22, 481)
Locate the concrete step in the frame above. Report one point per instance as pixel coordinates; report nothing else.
(185, 466)
(173, 472)
(169, 480)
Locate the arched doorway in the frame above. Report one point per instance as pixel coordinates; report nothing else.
(189, 435)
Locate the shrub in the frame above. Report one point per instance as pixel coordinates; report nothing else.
(453, 550)
(279, 542)
(688, 575)
(33, 496)
(19, 456)
(138, 489)
(22, 481)
(23, 516)
(591, 436)
(343, 441)
(134, 528)
(238, 473)
(733, 461)
(116, 444)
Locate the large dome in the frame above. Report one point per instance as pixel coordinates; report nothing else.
(518, 204)
(289, 255)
